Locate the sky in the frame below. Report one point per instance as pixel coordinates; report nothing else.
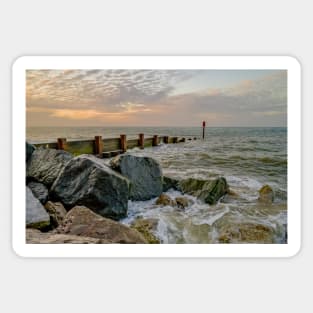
(156, 97)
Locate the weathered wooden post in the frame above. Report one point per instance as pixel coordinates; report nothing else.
(155, 140)
(62, 143)
(98, 145)
(141, 141)
(166, 139)
(123, 143)
(203, 129)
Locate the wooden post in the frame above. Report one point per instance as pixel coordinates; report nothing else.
(155, 140)
(62, 143)
(98, 145)
(203, 129)
(141, 141)
(166, 139)
(123, 143)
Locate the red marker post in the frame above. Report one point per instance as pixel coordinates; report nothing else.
(203, 129)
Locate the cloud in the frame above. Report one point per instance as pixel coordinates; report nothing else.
(146, 96)
(99, 89)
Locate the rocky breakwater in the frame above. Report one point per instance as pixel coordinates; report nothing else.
(78, 199)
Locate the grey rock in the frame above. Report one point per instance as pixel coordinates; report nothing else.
(86, 180)
(56, 211)
(144, 173)
(46, 164)
(39, 190)
(170, 183)
(208, 191)
(29, 151)
(36, 215)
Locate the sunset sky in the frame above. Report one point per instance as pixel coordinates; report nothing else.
(156, 97)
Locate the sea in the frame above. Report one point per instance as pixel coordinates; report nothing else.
(248, 157)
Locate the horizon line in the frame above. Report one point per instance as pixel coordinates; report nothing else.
(89, 126)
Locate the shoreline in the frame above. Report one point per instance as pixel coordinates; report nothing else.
(222, 205)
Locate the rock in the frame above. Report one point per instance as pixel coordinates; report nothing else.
(165, 200)
(232, 193)
(144, 173)
(146, 228)
(39, 190)
(208, 191)
(86, 180)
(170, 183)
(246, 233)
(36, 237)
(29, 151)
(81, 221)
(266, 194)
(191, 185)
(182, 202)
(36, 215)
(56, 211)
(46, 164)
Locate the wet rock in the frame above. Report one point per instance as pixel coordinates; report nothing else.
(146, 228)
(266, 194)
(86, 180)
(46, 164)
(232, 193)
(208, 191)
(81, 221)
(29, 151)
(165, 200)
(36, 215)
(191, 185)
(182, 202)
(246, 233)
(37, 237)
(39, 190)
(144, 173)
(56, 211)
(170, 183)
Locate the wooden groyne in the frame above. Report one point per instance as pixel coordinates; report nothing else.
(108, 147)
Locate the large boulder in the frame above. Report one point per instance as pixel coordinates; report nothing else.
(36, 215)
(86, 180)
(39, 190)
(29, 151)
(81, 221)
(37, 237)
(46, 164)
(208, 191)
(144, 173)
